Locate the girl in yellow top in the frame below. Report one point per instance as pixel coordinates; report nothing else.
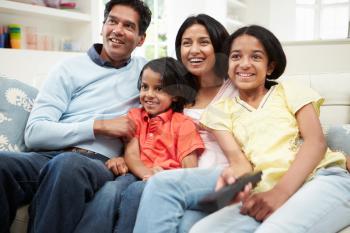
(305, 186)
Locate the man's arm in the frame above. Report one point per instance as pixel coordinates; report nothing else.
(47, 130)
(44, 129)
(117, 127)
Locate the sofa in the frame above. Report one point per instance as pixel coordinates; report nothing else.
(16, 99)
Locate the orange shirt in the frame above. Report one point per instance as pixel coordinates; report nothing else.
(166, 138)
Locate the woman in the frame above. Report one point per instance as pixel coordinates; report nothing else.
(199, 47)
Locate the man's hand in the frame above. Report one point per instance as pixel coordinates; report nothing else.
(261, 205)
(117, 165)
(117, 127)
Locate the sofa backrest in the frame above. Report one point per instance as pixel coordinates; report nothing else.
(32, 68)
(335, 88)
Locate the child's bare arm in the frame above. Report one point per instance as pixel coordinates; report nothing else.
(308, 157)
(237, 160)
(133, 160)
(310, 154)
(190, 160)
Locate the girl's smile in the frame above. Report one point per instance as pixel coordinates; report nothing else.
(249, 65)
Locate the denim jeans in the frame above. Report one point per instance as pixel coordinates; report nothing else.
(60, 185)
(320, 205)
(169, 194)
(108, 206)
(129, 205)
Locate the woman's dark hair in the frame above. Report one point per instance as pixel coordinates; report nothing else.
(175, 81)
(217, 34)
(139, 6)
(271, 45)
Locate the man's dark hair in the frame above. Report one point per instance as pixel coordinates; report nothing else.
(139, 6)
(176, 81)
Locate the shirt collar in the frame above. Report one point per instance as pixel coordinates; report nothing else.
(165, 116)
(94, 54)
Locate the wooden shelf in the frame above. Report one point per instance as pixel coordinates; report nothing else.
(18, 8)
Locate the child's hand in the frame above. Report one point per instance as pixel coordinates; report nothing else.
(157, 169)
(228, 177)
(146, 177)
(261, 205)
(117, 165)
(154, 170)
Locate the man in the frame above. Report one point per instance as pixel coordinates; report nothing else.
(76, 127)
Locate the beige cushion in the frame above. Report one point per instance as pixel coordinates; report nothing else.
(20, 223)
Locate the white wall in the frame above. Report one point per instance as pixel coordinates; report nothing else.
(258, 12)
(179, 10)
(29, 66)
(282, 19)
(276, 15)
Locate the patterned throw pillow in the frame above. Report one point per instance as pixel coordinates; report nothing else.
(338, 138)
(16, 100)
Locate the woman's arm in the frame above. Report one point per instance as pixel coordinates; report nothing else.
(190, 160)
(310, 154)
(133, 160)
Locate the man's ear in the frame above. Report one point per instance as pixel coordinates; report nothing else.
(271, 68)
(142, 40)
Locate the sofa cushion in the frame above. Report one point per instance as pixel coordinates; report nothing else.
(16, 100)
(338, 138)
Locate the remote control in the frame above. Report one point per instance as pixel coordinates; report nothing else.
(224, 196)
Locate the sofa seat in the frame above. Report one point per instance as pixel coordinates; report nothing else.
(335, 111)
(21, 221)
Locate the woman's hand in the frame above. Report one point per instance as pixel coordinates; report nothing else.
(117, 165)
(261, 205)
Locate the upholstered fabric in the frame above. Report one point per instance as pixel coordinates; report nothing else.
(16, 100)
(338, 138)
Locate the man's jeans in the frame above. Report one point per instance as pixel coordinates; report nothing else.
(117, 206)
(169, 201)
(130, 200)
(60, 185)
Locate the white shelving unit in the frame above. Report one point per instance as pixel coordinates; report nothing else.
(79, 27)
(11, 7)
(236, 11)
